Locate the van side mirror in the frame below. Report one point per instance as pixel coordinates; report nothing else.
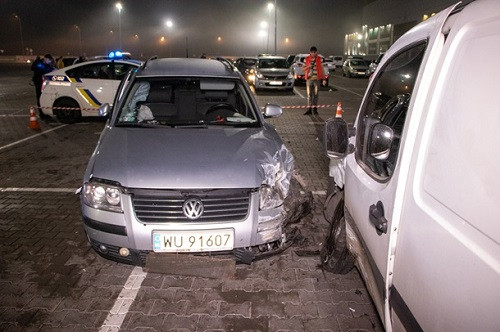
(336, 138)
(104, 110)
(380, 141)
(272, 111)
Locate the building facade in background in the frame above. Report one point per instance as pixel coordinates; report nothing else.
(384, 21)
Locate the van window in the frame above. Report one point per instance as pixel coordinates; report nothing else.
(387, 103)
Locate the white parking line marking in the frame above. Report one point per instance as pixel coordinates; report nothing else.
(300, 94)
(319, 192)
(118, 312)
(357, 94)
(30, 137)
(14, 115)
(38, 190)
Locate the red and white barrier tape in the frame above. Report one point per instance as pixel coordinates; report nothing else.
(307, 106)
(93, 109)
(65, 108)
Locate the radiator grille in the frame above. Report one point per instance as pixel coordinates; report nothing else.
(166, 205)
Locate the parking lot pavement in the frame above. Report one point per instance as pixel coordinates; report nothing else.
(50, 278)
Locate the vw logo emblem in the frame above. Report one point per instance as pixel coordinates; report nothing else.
(192, 208)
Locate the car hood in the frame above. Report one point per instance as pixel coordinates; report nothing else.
(359, 67)
(185, 158)
(273, 71)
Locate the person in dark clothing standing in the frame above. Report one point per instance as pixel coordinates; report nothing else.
(41, 67)
(314, 74)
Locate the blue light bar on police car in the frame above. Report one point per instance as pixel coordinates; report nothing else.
(115, 55)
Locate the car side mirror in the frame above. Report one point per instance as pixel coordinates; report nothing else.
(104, 110)
(336, 138)
(272, 111)
(380, 141)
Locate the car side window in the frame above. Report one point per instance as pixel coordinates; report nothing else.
(121, 69)
(93, 71)
(387, 103)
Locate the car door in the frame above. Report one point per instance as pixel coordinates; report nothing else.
(93, 82)
(372, 180)
(447, 261)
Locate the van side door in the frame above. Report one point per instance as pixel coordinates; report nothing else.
(376, 172)
(447, 261)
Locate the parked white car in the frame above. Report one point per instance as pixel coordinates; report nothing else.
(338, 60)
(420, 178)
(298, 71)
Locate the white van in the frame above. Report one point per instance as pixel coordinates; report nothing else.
(419, 208)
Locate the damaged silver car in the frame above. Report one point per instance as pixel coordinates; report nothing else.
(186, 164)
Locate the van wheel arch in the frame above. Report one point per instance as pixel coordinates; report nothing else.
(334, 255)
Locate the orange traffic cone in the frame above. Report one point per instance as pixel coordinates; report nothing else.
(339, 110)
(33, 120)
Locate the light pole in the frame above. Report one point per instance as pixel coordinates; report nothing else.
(169, 24)
(262, 33)
(270, 7)
(264, 25)
(21, 32)
(274, 6)
(119, 7)
(80, 38)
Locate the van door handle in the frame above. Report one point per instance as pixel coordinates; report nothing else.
(376, 213)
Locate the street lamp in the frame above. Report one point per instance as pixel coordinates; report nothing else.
(169, 24)
(80, 37)
(262, 33)
(119, 7)
(271, 6)
(21, 32)
(264, 25)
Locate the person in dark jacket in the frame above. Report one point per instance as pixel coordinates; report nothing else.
(41, 67)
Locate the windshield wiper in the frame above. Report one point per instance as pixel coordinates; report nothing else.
(188, 125)
(137, 125)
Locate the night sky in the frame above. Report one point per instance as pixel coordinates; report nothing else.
(49, 26)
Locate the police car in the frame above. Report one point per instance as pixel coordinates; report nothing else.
(79, 90)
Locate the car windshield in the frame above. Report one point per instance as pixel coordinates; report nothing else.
(273, 63)
(178, 102)
(358, 63)
(249, 62)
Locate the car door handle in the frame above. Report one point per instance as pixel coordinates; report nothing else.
(376, 214)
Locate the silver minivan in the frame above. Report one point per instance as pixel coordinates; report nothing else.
(186, 164)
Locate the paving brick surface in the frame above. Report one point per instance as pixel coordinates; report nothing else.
(51, 280)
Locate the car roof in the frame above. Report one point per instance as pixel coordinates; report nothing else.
(63, 70)
(272, 57)
(181, 67)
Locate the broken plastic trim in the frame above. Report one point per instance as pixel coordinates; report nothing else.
(277, 172)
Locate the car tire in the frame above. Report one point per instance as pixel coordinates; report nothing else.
(334, 255)
(67, 116)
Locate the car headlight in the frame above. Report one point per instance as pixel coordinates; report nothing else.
(259, 75)
(269, 197)
(102, 196)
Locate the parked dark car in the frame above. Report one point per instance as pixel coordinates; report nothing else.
(245, 66)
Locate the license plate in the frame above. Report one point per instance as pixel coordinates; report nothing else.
(193, 241)
(361, 72)
(275, 83)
